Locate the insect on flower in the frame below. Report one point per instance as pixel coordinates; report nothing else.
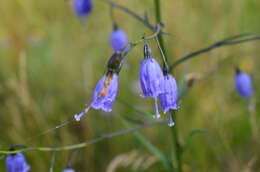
(151, 78)
(83, 7)
(17, 163)
(243, 84)
(107, 87)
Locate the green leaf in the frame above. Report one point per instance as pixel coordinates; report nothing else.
(192, 134)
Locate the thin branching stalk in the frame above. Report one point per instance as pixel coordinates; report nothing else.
(131, 13)
(157, 5)
(218, 44)
(88, 142)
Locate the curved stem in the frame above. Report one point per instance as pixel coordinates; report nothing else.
(157, 5)
(132, 13)
(88, 142)
(218, 44)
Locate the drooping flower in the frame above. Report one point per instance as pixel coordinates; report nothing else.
(169, 97)
(104, 94)
(243, 84)
(118, 40)
(83, 7)
(68, 170)
(151, 77)
(17, 163)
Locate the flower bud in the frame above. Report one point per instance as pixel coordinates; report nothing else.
(83, 7)
(243, 84)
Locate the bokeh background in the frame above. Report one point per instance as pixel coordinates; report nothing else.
(50, 62)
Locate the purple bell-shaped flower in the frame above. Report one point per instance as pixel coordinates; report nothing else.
(17, 163)
(243, 84)
(106, 89)
(119, 40)
(151, 78)
(104, 94)
(83, 7)
(169, 97)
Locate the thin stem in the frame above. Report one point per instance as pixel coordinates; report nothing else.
(53, 161)
(135, 43)
(157, 5)
(165, 67)
(229, 41)
(132, 13)
(88, 142)
(176, 144)
(154, 35)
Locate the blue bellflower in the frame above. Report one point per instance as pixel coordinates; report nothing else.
(119, 40)
(104, 94)
(169, 97)
(17, 163)
(243, 84)
(83, 7)
(151, 77)
(68, 170)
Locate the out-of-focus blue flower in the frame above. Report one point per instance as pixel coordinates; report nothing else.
(104, 94)
(151, 77)
(17, 163)
(119, 40)
(83, 7)
(169, 97)
(243, 84)
(68, 170)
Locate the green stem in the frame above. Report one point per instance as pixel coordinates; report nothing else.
(88, 142)
(130, 12)
(229, 41)
(158, 20)
(176, 145)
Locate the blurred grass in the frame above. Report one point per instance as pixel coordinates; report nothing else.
(50, 64)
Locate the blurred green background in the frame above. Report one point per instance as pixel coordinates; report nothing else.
(50, 63)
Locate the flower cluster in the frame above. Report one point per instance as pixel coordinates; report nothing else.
(156, 84)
